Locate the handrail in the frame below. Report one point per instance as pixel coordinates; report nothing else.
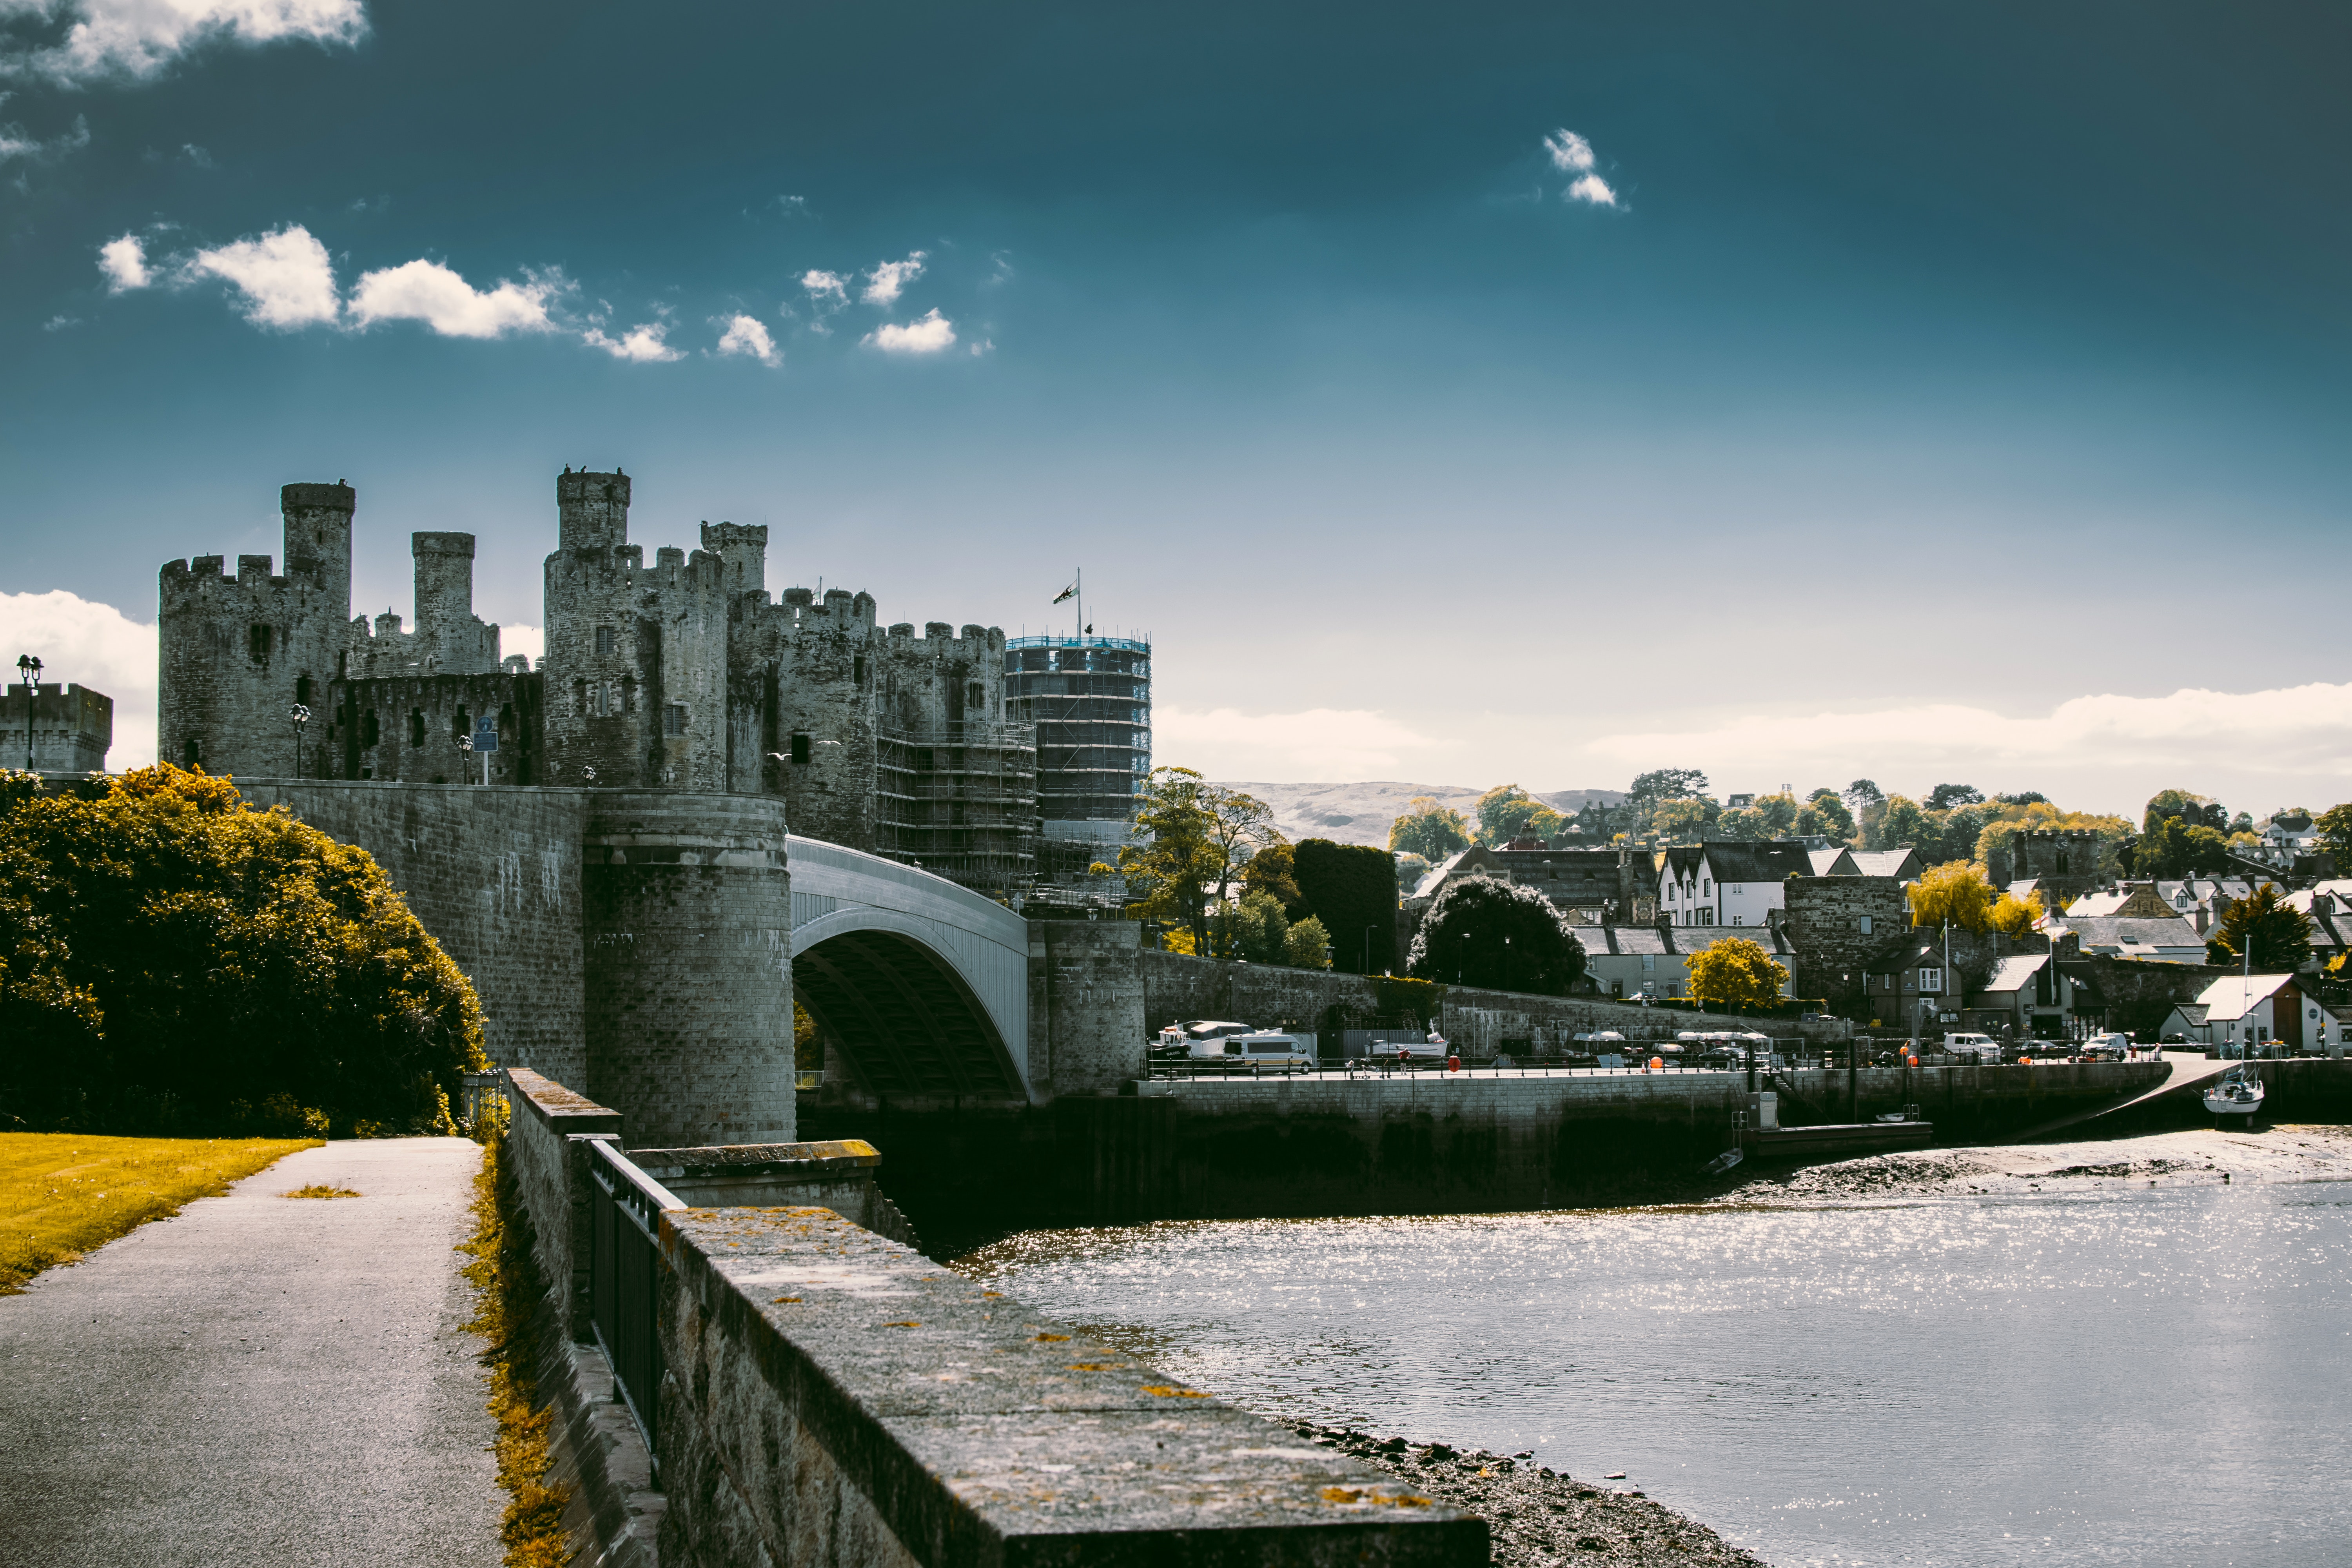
(624, 1280)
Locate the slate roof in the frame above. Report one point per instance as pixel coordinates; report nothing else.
(2014, 973)
(1622, 940)
(1904, 863)
(2226, 1001)
(2127, 932)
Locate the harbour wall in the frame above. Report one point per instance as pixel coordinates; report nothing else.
(1424, 1142)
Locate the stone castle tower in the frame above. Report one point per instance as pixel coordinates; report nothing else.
(684, 675)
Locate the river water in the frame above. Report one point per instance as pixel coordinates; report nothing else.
(2153, 1377)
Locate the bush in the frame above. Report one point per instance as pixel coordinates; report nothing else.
(172, 962)
(1500, 936)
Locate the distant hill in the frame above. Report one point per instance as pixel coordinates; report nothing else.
(1361, 812)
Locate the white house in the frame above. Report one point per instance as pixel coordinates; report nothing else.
(2255, 1011)
(1651, 961)
(1728, 884)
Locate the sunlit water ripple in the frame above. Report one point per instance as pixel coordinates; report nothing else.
(2157, 1377)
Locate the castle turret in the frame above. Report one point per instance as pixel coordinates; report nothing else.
(444, 581)
(318, 520)
(744, 547)
(592, 510)
(236, 654)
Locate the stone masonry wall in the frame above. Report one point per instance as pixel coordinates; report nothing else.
(72, 728)
(495, 875)
(1835, 923)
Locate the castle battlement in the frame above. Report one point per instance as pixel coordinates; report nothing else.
(680, 673)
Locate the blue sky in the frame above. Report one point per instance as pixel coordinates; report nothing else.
(1919, 393)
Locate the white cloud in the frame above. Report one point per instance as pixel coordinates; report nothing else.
(286, 276)
(924, 335)
(1592, 188)
(1571, 153)
(124, 262)
(825, 287)
(529, 641)
(139, 39)
(15, 143)
(196, 155)
(81, 643)
(641, 344)
(2302, 730)
(889, 279)
(746, 336)
(59, 324)
(428, 291)
(1319, 743)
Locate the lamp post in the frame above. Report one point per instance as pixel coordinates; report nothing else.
(465, 752)
(30, 668)
(301, 714)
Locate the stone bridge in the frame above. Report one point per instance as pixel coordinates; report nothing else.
(924, 983)
(649, 944)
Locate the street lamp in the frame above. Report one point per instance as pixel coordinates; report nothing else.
(466, 752)
(301, 714)
(30, 668)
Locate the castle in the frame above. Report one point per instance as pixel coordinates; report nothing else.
(681, 675)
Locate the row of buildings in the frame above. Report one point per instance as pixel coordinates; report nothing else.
(1839, 919)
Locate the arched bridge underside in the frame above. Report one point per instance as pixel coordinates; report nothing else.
(922, 983)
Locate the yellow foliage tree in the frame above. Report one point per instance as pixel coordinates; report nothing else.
(1956, 891)
(1736, 973)
(2015, 916)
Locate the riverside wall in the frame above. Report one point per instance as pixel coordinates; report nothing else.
(1424, 1142)
(828, 1397)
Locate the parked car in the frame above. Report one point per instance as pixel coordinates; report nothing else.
(2106, 1049)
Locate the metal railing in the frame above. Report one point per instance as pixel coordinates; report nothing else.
(476, 1093)
(624, 1280)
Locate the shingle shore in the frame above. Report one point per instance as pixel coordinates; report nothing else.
(1538, 1519)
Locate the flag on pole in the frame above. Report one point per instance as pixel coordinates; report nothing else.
(1069, 591)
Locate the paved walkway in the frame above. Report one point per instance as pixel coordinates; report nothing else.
(259, 1381)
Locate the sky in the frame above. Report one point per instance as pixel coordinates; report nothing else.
(1468, 393)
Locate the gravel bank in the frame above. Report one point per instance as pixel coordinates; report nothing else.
(2282, 1153)
(1538, 1519)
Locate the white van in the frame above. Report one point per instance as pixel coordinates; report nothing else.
(1259, 1049)
(1983, 1048)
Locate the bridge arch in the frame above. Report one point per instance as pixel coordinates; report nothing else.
(923, 983)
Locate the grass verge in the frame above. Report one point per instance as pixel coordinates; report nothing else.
(65, 1194)
(505, 1273)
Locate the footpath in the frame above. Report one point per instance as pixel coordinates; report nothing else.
(259, 1379)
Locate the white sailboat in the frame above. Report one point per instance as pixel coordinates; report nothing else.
(2237, 1092)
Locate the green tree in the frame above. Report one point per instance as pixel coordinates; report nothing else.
(1351, 888)
(1499, 936)
(1904, 823)
(1662, 784)
(1945, 796)
(1827, 814)
(1736, 973)
(1862, 793)
(1411, 869)
(1744, 826)
(1956, 891)
(1255, 929)
(1684, 820)
(1428, 829)
(1778, 812)
(1273, 870)
(2277, 933)
(1508, 812)
(2171, 848)
(174, 961)
(2189, 810)
(1308, 945)
(1193, 837)
(2334, 826)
